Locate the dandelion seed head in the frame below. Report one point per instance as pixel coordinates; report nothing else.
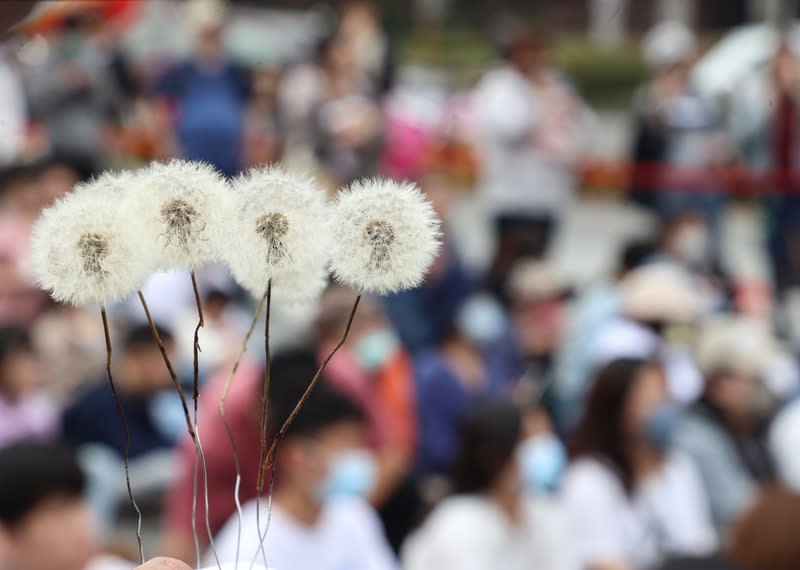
(281, 234)
(385, 235)
(84, 249)
(185, 207)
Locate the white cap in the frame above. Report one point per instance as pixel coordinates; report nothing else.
(659, 292)
(666, 44)
(534, 279)
(205, 14)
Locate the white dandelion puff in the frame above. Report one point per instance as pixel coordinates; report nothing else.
(85, 248)
(185, 207)
(385, 235)
(281, 233)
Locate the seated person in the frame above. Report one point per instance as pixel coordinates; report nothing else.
(93, 424)
(631, 498)
(44, 522)
(139, 375)
(290, 372)
(497, 517)
(26, 410)
(319, 518)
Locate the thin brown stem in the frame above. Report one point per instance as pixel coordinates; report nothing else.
(171, 370)
(196, 348)
(265, 397)
(270, 460)
(127, 434)
(228, 428)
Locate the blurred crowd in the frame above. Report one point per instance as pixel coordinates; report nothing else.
(498, 416)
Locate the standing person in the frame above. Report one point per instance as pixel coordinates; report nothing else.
(532, 126)
(489, 522)
(347, 122)
(631, 499)
(319, 518)
(677, 133)
(764, 122)
(210, 94)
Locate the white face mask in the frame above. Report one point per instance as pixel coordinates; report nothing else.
(692, 244)
(481, 319)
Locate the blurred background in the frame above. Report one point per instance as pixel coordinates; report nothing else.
(621, 270)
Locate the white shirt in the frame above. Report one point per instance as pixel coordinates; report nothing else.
(521, 175)
(667, 514)
(347, 536)
(472, 533)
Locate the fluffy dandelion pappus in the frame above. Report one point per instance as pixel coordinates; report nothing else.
(281, 234)
(84, 249)
(385, 235)
(184, 207)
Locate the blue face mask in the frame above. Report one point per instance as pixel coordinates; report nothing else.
(542, 460)
(375, 348)
(351, 474)
(661, 424)
(481, 319)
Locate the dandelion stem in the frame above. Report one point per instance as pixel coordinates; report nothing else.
(127, 434)
(265, 397)
(171, 370)
(200, 324)
(222, 401)
(264, 413)
(270, 460)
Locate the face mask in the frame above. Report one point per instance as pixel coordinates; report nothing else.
(481, 319)
(375, 348)
(661, 424)
(351, 474)
(542, 461)
(691, 244)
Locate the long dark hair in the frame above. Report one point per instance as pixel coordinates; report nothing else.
(489, 436)
(600, 432)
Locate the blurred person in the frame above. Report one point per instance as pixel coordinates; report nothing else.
(44, 522)
(656, 299)
(475, 359)
(13, 110)
(491, 521)
(370, 47)
(93, 424)
(347, 123)
(75, 91)
(375, 371)
(631, 498)
(262, 129)
(763, 121)
(765, 537)
(23, 197)
(320, 518)
(210, 93)
(65, 337)
(26, 409)
(290, 372)
(225, 323)
(676, 131)
(597, 306)
(725, 431)
(537, 310)
(532, 127)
